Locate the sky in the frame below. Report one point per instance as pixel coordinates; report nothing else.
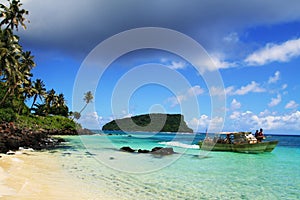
(233, 64)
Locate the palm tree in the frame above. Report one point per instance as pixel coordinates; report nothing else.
(76, 115)
(15, 65)
(59, 106)
(18, 75)
(88, 97)
(26, 91)
(13, 15)
(40, 91)
(49, 99)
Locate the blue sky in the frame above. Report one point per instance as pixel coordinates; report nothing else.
(253, 45)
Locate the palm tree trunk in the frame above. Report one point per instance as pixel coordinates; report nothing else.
(34, 100)
(5, 96)
(83, 108)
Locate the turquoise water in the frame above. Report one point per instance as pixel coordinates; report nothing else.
(189, 174)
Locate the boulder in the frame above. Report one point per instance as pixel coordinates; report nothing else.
(143, 151)
(162, 151)
(127, 149)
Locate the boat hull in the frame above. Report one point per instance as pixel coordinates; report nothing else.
(241, 148)
(271, 146)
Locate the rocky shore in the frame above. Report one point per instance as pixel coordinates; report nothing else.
(12, 137)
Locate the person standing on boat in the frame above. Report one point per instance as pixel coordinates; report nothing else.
(260, 136)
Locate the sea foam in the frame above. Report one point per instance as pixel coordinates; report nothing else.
(179, 144)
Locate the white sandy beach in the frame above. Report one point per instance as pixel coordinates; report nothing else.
(38, 175)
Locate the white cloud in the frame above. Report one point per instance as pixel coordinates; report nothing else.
(232, 38)
(177, 65)
(251, 87)
(284, 86)
(220, 63)
(235, 104)
(275, 52)
(267, 121)
(215, 62)
(191, 92)
(275, 78)
(90, 120)
(291, 105)
(275, 101)
(216, 91)
(204, 122)
(196, 90)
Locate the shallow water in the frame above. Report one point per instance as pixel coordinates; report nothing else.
(190, 174)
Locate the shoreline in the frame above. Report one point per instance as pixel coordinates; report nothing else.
(39, 175)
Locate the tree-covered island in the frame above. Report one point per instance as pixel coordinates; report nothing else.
(154, 122)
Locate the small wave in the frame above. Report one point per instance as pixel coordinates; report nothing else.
(179, 144)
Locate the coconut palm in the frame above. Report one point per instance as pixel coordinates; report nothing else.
(40, 91)
(13, 15)
(76, 115)
(15, 65)
(49, 99)
(59, 106)
(88, 97)
(26, 91)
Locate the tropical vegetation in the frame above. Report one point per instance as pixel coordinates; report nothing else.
(17, 84)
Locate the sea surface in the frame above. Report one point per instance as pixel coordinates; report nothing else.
(189, 174)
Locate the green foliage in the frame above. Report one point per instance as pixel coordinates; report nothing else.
(48, 123)
(16, 66)
(7, 115)
(173, 123)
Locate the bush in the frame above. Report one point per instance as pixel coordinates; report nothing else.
(48, 123)
(7, 115)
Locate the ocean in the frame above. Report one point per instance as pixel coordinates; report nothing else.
(95, 160)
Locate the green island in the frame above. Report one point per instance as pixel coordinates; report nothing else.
(154, 122)
(29, 113)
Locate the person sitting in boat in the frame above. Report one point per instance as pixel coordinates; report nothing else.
(256, 134)
(260, 136)
(227, 139)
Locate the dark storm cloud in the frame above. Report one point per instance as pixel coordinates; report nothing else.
(76, 26)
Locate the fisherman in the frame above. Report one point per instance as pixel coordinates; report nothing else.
(260, 135)
(256, 133)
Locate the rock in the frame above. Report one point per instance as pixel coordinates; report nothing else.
(12, 138)
(127, 149)
(162, 151)
(143, 151)
(156, 149)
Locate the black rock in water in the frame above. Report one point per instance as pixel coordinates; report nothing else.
(143, 151)
(162, 151)
(127, 149)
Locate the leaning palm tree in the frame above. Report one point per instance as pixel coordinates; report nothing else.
(88, 97)
(76, 115)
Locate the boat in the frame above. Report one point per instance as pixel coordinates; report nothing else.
(241, 142)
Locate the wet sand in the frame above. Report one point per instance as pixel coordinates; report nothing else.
(38, 175)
